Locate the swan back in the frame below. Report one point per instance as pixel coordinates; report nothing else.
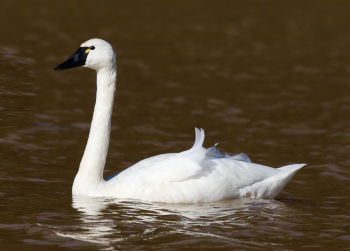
(198, 175)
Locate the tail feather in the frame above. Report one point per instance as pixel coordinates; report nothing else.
(197, 145)
(198, 142)
(291, 168)
(269, 188)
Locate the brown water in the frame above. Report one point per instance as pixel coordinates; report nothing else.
(269, 78)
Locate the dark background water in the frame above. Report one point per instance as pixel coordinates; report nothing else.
(269, 78)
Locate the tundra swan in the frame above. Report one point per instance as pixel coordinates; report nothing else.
(195, 175)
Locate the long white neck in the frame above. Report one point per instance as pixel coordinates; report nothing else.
(91, 167)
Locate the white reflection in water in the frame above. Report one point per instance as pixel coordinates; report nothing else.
(94, 226)
(111, 221)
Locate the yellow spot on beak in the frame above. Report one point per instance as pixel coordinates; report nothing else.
(87, 50)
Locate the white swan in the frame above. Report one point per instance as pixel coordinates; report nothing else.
(195, 175)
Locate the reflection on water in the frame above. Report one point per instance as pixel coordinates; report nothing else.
(268, 78)
(101, 218)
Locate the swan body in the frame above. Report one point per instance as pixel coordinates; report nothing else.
(195, 175)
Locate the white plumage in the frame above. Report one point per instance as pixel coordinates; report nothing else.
(196, 175)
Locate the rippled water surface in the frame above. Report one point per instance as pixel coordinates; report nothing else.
(269, 78)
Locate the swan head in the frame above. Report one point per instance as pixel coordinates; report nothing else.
(94, 54)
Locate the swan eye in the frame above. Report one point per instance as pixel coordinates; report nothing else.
(90, 48)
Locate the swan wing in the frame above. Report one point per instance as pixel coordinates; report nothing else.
(168, 167)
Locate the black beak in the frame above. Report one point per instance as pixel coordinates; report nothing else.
(77, 59)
